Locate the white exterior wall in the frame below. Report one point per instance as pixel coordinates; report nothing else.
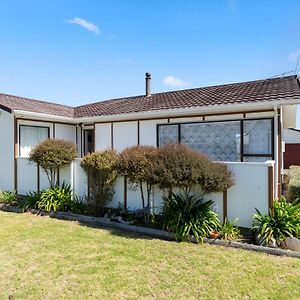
(6, 151)
(27, 176)
(148, 134)
(125, 134)
(103, 136)
(290, 136)
(249, 192)
(65, 132)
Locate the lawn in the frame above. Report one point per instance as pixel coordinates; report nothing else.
(44, 258)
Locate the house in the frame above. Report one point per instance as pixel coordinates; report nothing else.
(240, 124)
(291, 155)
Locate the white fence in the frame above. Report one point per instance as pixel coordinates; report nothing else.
(251, 189)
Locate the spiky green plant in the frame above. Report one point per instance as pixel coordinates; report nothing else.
(229, 231)
(56, 198)
(282, 221)
(187, 215)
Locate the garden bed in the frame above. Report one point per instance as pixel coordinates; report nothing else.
(157, 233)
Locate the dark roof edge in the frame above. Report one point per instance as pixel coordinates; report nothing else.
(5, 108)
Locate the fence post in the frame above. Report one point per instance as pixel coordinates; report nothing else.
(224, 205)
(270, 186)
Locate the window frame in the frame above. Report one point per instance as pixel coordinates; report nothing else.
(35, 126)
(242, 153)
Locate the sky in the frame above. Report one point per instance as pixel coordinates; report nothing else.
(77, 52)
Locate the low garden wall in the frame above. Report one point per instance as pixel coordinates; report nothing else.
(254, 188)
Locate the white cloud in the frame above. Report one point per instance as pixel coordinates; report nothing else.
(174, 81)
(85, 24)
(294, 55)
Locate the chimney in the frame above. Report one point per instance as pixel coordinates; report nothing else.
(148, 84)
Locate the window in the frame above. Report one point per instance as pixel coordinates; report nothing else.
(219, 140)
(234, 140)
(168, 134)
(88, 141)
(30, 136)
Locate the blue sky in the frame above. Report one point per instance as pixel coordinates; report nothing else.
(75, 52)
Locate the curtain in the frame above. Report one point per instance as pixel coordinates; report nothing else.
(31, 136)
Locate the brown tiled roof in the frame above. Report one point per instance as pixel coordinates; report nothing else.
(19, 103)
(284, 88)
(244, 92)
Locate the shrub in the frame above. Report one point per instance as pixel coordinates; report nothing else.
(78, 206)
(216, 178)
(7, 197)
(30, 201)
(51, 155)
(140, 164)
(56, 199)
(100, 168)
(294, 183)
(281, 222)
(229, 230)
(184, 168)
(187, 215)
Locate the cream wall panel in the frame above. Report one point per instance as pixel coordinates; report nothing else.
(267, 114)
(189, 119)
(102, 136)
(65, 132)
(148, 131)
(6, 151)
(224, 117)
(125, 134)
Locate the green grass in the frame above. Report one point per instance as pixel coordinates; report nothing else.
(44, 258)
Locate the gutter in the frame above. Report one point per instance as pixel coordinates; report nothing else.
(23, 114)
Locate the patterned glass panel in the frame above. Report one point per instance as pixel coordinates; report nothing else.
(258, 137)
(256, 158)
(168, 134)
(218, 140)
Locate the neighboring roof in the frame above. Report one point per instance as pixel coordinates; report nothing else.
(11, 103)
(294, 129)
(283, 88)
(244, 92)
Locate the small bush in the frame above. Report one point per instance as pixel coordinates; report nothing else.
(187, 215)
(294, 183)
(229, 231)
(184, 168)
(140, 165)
(7, 197)
(51, 155)
(216, 178)
(100, 168)
(281, 222)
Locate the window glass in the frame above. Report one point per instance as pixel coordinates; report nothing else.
(168, 134)
(31, 136)
(258, 137)
(218, 140)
